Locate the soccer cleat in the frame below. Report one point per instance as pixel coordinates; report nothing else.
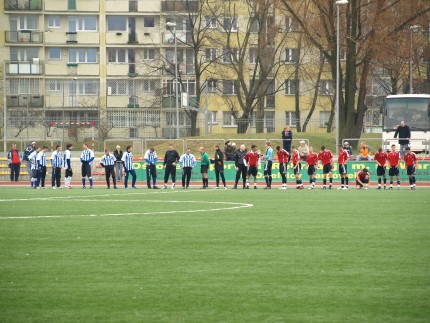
(340, 188)
(246, 187)
(345, 188)
(149, 187)
(379, 187)
(216, 187)
(255, 187)
(155, 187)
(235, 187)
(134, 187)
(324, 188)
(385, 187)
(398, 187)
(390, 188)
(115, 188)
(225, 187)
(108, 188)
(83, 187)
(310, 188)
(183, 187)
(91, 187)
(173, 186)
(54, 188)
(329, 187)
(165, 186)
(301, 187)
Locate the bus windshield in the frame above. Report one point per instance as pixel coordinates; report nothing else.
(414, 111)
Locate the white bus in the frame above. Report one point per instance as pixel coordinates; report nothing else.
(414, 109)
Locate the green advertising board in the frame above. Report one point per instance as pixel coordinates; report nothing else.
(422, 172)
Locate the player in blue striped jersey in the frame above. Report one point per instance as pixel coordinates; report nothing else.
(187, 163)
(108, 162)
(41, 167)
(33, 167)
(56, 163)
(127, 159)
(87, 157)
(151, 158)
(67, 165)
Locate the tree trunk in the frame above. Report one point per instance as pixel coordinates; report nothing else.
(259, 117)
(242, 123)
(193, 119)
(314, 100)
(296, 80)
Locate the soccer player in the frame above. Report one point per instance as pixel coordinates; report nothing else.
(218, 161)
(239, 165)
(268, 161)
(127, 159)
(342, 161)
(34, 168)
(411, 161)
(204, 167)
(56, 162)
(108, 162)
(381, 159)
(362, 179)
(251, 161)
(394, 161)
(87, 157)
(187, 163)
(151, 158)
(326, 159)
(41, 166)
(311, 161)
(283, 157)
(171, 157)
(67, 165)
(297, 167)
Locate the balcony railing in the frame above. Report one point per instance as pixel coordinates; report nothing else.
(26, 5)
(25, 100)
(33, 67)
(179, 6)
(182, 37)
(24, 36)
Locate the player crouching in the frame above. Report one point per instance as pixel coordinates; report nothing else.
(362, 179)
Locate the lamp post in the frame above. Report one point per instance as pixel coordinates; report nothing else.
(413, 29)
(173, 24)
(338, 4)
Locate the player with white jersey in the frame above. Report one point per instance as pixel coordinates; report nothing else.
(67, 165)
(41, 167)
(87, 157)
(33, 168)
(56, 163)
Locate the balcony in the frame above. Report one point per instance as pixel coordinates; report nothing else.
(23, 5)
(179, 6)
(33, 67)
(24, 36)
(183, 37)
(24, 100)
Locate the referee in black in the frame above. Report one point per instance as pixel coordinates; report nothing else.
(241, 169)
(108, 162)
(171, 158)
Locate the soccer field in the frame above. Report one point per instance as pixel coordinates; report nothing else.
(206, 255)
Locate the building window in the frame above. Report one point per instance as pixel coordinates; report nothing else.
(54, 22)
(117, 55)
(24, 22)
(149, 22)
(229, 87)
(149, 86)
(229, 55)
(23, 53)
(326, 87)
(24, 86)
(210, 54)
(291, 24)
(291, 87)
(148, 53)
(184, 119)
(82, 23)
(253, 55)
(211, 22)
(212, 117)
(324, 117)
(54, 85)
(117, 87)
(88, 87)
(291, 55)
(82, 55)
(228, 119)
(116, 23)
(212, 86)
(230, 24)
(71, 4)
(290, 118)
(54, 53)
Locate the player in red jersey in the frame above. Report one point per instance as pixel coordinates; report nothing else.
(283, 157)
(297, 167)
(251, 161)
(326, 159)
(362, 179)
(411, 161)
(381, 159)
(311, 162)
(342, 159)
(394, 162)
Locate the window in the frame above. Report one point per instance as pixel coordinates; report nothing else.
(24, 22)
(116, 23)
(291, 24)
(149, 22)
(291, 86)
(324, 117)
(117, 55)
(117, 87)
(211, 22)
(212, 117)
(71, 4)
(253, 55)
(212, 86)
(24, 86)
(228, 119)
(184, 119)
(210, 54)
(82, 23)
(229, 55)
(230, 24)
(148, 53)
(54, 85)
(291, 55)
(55, 53)
(149, 86)
(229, 87)
(254, 25)
(290, 118)
(54, 22)
(23, 53)
(88, 87)
(82, 55)
(326, 87)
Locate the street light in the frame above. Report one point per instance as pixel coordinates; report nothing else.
(413, 29)
(173, 24)
(338, 4)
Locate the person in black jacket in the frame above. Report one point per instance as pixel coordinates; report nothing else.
(218, 161)
(287, 138)
(404, 133)
(171, 157)
(118, 162)
(240, 166)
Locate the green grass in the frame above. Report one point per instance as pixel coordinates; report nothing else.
(299, 256)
